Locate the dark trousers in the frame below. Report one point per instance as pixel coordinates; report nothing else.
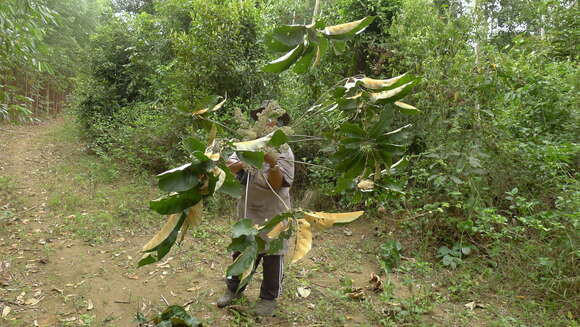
(273, 271)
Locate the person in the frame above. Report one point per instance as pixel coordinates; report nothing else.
(268, 194)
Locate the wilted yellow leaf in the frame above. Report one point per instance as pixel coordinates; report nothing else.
(211, 153)
(282, 226)
(193, 218)
(376, 84)
(303, 240)
(212, 134)
(163, 233)
(221, 175)
(253, 145)
(388, 94)
(342, 28)
(324, 220)
(200, 112)
(366, 185)
(215, 108)
(6, 311)
(405, 105)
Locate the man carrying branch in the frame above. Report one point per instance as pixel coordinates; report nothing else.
(266, 194)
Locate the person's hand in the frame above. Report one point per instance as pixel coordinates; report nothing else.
(271, 158)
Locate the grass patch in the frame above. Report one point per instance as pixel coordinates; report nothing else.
(97, 196)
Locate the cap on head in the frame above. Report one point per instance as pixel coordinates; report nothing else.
(283, 120)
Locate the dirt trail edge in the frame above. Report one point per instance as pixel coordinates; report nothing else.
(71, 229)
(49, 278)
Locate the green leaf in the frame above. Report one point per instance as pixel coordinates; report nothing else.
(243, 227)
(382, 124)
(385, 156)
(255, 159)
(174, 203)
(239, 244)
(147, 260)
(305, 62)
(176, 315)
(285, 38)
(275, 245)
(347, 30)
(339, 47)
(177, 180)
(191, 145)
(278, 138)
(281, 64)
(352, 130)
(320, 50)
(244, 261)
(231, 186)
(163, 248)
(270, 224)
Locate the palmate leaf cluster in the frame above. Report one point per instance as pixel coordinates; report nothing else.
(304, 45)
(366, 142)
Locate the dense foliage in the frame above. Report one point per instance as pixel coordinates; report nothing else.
(41, 49)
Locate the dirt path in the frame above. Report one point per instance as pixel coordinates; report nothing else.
(49, 276)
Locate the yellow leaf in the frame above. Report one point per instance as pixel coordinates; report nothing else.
(282, 226)
(221, 175)
(193, 218)
(163, 233)
(376, 84)
(303, 240)
(324, 220)
(366, 185)
(405, 105)
(6, 311)
(215, 108)
(342, 28)
(200, 112)
(209, 151)
(253, 145)
(248, 271)
(212, 134)
(388, 94)
(219, 105)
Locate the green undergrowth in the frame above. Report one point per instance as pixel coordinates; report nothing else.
(99, 199)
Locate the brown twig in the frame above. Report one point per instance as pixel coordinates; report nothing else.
(10, 302)
(164, 300)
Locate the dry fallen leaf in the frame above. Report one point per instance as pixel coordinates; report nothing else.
(90, 305)
(20, 298)
(303, 292)
(132, 276)
(32, 301)
(376, 283)
(6, 311)
(356, 294)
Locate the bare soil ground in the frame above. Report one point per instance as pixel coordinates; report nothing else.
(72, 225)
